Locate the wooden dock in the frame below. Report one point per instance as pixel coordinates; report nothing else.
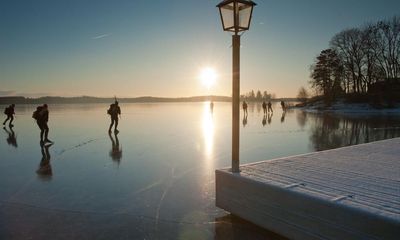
(346, 193)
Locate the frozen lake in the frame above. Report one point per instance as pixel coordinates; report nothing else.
(155, 179)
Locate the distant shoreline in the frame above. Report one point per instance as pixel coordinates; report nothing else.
(145, 99)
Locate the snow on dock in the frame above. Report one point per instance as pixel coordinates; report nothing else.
(346, 193)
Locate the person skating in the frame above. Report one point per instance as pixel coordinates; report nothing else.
(244, 106)
(283, 106)
(264, 106)
(114, 111)
(9, 111)
(41, 115)
(270, 107)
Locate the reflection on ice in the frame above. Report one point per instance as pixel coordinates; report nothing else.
(44, 171)
(283, 116)
(264, 120)
(244, 121)
(116, 150)
(208, 130)
(11, 138)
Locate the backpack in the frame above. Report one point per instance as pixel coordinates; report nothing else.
(37, 113)
(6, 110)
(110, 110)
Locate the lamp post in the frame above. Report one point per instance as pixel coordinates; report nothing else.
(235, 17)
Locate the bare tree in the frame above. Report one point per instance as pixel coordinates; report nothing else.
(265, 95)
(302, 95)
(372, 71)
(349, 46)
(258, 95)
(388, 49)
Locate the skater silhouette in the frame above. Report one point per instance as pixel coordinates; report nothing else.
(114, 111)
(264, 106)
(283, 106)
(41, 115)
(9, 112)
(244, 106)
(270, 107)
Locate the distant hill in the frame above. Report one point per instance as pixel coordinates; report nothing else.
(145, 99)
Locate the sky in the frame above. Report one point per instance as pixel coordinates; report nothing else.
(132, 48)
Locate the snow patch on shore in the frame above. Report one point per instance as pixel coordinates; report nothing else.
(342, 107)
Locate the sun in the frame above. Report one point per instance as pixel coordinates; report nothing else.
(208, 77)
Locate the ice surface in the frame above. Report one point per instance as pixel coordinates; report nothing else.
(157, 179)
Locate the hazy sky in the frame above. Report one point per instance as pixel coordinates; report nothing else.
(133, 48)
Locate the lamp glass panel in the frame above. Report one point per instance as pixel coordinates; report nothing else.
(244, 15)
(227, 15)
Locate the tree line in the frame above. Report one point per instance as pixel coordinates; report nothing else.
(257, 96)
(360, 61)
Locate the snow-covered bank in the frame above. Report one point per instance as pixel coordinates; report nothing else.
(343, 107)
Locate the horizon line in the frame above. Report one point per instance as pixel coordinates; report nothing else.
(144, 96)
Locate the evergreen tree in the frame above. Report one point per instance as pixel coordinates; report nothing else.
(327, 74)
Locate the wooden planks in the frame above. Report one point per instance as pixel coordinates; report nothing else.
(346, 193)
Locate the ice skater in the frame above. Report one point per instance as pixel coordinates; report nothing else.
(9, 111)
(41, 115)
(244, 106)
(270, 107)
(283, 106)
(114, 111)
(264, 106)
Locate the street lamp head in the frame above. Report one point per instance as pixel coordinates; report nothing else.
(236, 14)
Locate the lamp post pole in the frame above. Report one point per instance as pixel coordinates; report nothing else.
(235, 101)
(235, 17)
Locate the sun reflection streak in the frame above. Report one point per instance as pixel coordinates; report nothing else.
(208, 130)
